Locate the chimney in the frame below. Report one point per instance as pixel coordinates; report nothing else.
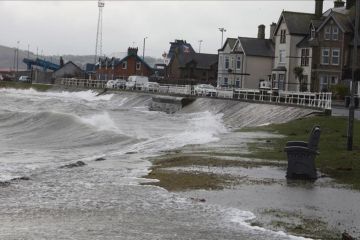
(339, 3)
(132, 51)
(319, 8)
(261, 31)
(350, 3)
(272, 30)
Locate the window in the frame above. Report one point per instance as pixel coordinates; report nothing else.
(238, 62)
(238, 83)
(282, 56)
(325, 56)
(138, 65)
(335, 56)
(225, 81)
(305, 57)
(281, 82)
(326, 81)
(335, 33)
(313, 35)
(327, 35)
(227, 62)
(124, 65)
(283, 36)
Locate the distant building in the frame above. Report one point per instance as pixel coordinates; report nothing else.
(114, 68)
(187, 67)
(68, 70)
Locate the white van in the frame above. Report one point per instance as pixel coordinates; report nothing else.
(136, 82)
(24, 79)
(151, 86)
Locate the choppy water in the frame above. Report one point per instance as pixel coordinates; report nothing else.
(42, 131)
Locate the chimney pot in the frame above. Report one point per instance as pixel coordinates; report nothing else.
(272, 30)
(339, 3)
(319, 8)
(261, 31)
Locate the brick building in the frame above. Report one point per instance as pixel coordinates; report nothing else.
(114, 68)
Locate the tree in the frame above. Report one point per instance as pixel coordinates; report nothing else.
(299, 73)
(61, 62)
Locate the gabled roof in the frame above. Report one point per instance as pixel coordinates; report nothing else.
(343, 21)
(69, 63)
(296, 22)
(202, 60)
(117, 61)
(179, 46)
(257, 47)
(231, 42)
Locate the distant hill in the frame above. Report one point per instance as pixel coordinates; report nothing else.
(7, 58)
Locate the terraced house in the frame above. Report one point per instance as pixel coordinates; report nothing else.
(313, 51)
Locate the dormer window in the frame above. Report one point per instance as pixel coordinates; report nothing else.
(138, 65)
(283, 36)
(335, 33)
(313, 35)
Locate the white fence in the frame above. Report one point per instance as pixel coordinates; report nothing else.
(306, 99)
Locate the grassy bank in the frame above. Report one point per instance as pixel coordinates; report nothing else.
(334, 159)
(20, 85)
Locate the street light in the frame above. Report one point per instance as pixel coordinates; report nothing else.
(222, 30)
(200, 41)
(144, 48)
(17, 57)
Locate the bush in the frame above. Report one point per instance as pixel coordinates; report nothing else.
(340, 91)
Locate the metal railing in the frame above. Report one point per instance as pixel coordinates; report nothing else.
(320, 100)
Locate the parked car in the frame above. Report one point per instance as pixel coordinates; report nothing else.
(110, 84)
(136, 82)
(151, 86)
(24, 79)
(120, 83)
(205, 90)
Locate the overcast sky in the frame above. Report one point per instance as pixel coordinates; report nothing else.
(69, 27)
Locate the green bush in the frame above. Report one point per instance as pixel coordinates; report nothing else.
(340, 91)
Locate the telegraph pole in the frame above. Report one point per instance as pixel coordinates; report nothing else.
(200, 41)
(144, 48)
(353, 81)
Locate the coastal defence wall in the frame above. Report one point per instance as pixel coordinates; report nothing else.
(235, 114)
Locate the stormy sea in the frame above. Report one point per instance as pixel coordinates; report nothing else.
(72, 167)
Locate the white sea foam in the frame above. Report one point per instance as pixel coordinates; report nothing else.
(199, 128)
(88, 95)
(243, 217)
(102, 122)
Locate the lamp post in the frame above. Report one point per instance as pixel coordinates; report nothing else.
(144, 48)
(350, 132)
(222, 30)
(17, 57)
(200, 41)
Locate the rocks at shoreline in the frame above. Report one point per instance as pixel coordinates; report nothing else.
(100, 159)
(7, 183)
(76, 164)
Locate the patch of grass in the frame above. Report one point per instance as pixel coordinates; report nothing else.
(334, 159)
(180, 181)
(20, 85)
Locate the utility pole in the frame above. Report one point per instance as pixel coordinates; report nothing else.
(28, 51)
(200, 41)
(17, 57)
(144, 48)
(222, 30)
(353, 81)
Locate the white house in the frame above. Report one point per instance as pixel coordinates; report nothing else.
(244, 62)
(291, 29)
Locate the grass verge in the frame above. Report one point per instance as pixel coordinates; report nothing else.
(19, 85)
(334, 159)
